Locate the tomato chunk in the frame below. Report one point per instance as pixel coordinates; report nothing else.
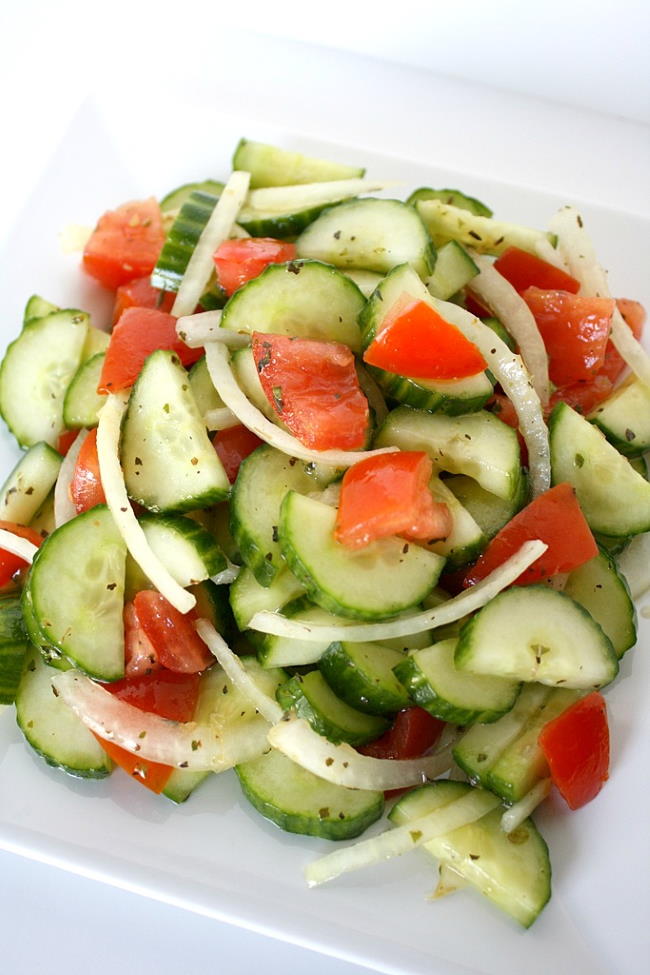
(10, 563)
(139, 332)
(575, 332)
(416, 341)
(233, 446)
(634, 316)
(389, 495)
(141, 294)
(555, 518)
(65, 440)
(86, 486)
(576, 747)
(583, 396)
(239, 261)
(524, 270)
(314, 389)
(413, 732)
(177, 645)
(125, 244)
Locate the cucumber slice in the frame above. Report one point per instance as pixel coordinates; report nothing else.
(282, 226)
(49, 653)
(373, 583)
(512, 870)
(433, 683)
(478, 445)
(362, 676)
(624, 418)
(451, 197)
(205, 395)
(186, 549)
(299, 802)
(602, 590)
(366, 281)
(37, 307)
(490, 512)
(14, 646)
(312, 699)
(175, 199)
(483, 234)
(272, 166)
(82, 402)
(372, 234)
(280, 651)
(534, 633)
(454, 269)
(76, 584)
(96, 342)
(307, 299)
(168, 460)
(466, 540)
(29, 484)
(52, 729)
(248, 597)
(181, 240)
(213, 605)
(615, 499)
(37, 369)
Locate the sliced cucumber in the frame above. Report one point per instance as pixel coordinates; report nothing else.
(314, 700)
(366, 281)
(272, 166)
(181, 240)
(175, 199)
(213, 605)
(282, 651)
(168, 460)
(186, 549)
(37, 307)
(490, 512)
(362, 676)
(624, 418)
(205, 395)
(452, 198)
(298, 801)
(484, 234)
(615, 499)
(602, 590)
(534, 633)
(14, 646)
(248, 597)
(82, 402)
(96, 342)
(29, 484)
(466, 540)
(454, 269)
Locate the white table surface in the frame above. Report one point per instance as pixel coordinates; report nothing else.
(47, 70)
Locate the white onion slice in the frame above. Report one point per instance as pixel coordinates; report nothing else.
(226, 386)
(634, 563)
(302, 196)
(196, 330)
(402, 839)
(544, 249)
(220, 419)
(21, 547)
(341, 764)
(237, 673)
(112, 476)
(227, 575)
(217, 229)
(454, 609)
(64, 509)
(521, 810)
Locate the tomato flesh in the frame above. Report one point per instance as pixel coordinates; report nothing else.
(233, 446)
(10, 563)
(139, 332)
(141, 294)
(554, 517)
(86, 486)
(314, 389)
(125, 244)
(239, 261)
(416, 341)
(65, 440)
(634, 316)
(413, 732)
(389, 495)
(583, 396)
(177, 645)
(576, 747)
(524, 270)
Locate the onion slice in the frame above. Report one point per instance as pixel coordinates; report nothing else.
(196, 330)
(521, 810)
(112, 476)
(220, 419)
(21, 547)
(634, 563)
(454, 609)
(64, 509)
(342, 765)
(226, 386)
(302, 196)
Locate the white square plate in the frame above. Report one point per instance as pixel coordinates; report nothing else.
(215, 855)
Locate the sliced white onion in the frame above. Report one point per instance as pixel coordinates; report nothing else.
(237, 673)
(521, 810)
(196, 330)
(454, 609)
(341, 764)
(634, 563)
(284, 199)
(220, 419)
(545, 250)
(516, 383)
(402, 839)
(511, 309)
(64, 509)
(217, 229)
(21, 547)
(227, 575)
(226, 386)
(112, 476)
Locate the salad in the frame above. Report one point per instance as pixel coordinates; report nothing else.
(339, 502)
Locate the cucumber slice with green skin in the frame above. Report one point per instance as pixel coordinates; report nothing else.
(49, 653)
(372, 234)
(306, 299)
(270, 223)
(52, 729)
(29, 483)
(77, 590)
(248, 597)
(264, 478)
(14, 647)
(453, 397)
(483, 234)
(466, 540)
(366, 281)
(640, 465)
(313, 699)
(513, 870)
(451, 197)
(534, 633)
(205, 395)
(602, 590)
(96, 342)
(454, 269)
(624, 418)
(433, 683)
(478, 445)
(361, 674)
(82, 402)
(37, 369)
(373, 583)
(614, 499)
(186, 549)
(213, 605)
(43, 521)
(175, 199)
(490, 512)
(38, 307)
(272, 166)
(181, 240)
(168, 460)
(300, 802)
(282, 651)
(499, 330)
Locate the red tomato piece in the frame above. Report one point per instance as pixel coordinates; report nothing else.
(554, 517)
(140, 656)
(389, 495)
(65, 440)
(575, 332)
(584, 396)
(634, 316)
(125, 244)
(524, 270)
(314, 389)
(86, 486)
(233, 446)
(239, 261)
(474, 306)
(10, 563)
(141, 294)
(139, 332)
(413, 732)
(576, 747)
(177, 645)
(416, 341)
